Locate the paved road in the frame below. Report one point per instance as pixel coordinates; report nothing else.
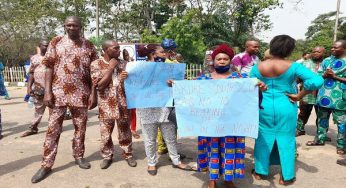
(20, 159)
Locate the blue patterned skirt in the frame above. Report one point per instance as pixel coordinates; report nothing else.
(222, 156)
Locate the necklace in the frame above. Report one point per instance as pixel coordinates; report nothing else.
(106, 62)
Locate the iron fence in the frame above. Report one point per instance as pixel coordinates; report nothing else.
(17, 74)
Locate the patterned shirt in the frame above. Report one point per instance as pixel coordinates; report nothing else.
(37, 69)
(70, 62)
(316, 68)
(333, 93)
(244, 62)
(111, 100)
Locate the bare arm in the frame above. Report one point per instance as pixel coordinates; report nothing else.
(93, 98)
(48, 95)
(330, 74)
(299, 96)
(340, 79)
(30, 82)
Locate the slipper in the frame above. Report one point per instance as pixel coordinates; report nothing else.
(314, 143)
(288, 182)
(340, 151)
(300, 133)
(152, 172)
(28, 133)
(187, 168)
(328, 139)
(256, 176)
(135, 135)
(341, 162)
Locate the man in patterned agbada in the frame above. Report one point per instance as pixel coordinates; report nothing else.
(108, 92)
(67, 86)
(331, 98)
(36, 85)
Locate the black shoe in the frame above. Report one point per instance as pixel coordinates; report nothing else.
(106, 163)
(1, 136)
(82, 163)
(131, 162)
(300, 133)
(328, 139)
(40, 174)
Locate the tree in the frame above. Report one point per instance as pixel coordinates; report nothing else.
(235, 21)
(194, 24)
(187, 34)
(21, 27)
(320, 33)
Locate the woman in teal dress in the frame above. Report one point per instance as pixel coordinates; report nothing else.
(276, 139)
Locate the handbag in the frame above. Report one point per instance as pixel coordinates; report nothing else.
(37, 90)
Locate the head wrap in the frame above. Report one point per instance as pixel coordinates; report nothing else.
(223, 48)
(168, 44)
(145, 50)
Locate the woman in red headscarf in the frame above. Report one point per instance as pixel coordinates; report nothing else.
(222, 155)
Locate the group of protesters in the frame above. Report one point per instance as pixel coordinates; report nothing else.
(67, 74)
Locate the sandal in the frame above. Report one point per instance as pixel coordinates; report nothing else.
(28, 133)
(152, 172)
(341, 162)
(314, 143)
(186, 168)
(328, 139)
(194, 168)
(340, 151)
(300, 133)
(288, 182)
(229, 184)
(135, 135)
(257, 176)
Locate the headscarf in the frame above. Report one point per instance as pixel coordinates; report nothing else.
(168, 44)
(223, 48)
(145, 50)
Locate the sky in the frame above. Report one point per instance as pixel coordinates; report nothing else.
(294, 20)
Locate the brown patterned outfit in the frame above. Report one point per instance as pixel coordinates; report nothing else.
(38, 70)
(71, 82)
(112, 110)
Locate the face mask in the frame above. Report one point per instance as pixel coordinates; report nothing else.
(159, 59)
(222, 69)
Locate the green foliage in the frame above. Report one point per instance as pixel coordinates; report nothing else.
(98, 41)
(22, 25)
(195, 25)
(299, 50)
(150, 37)
(187, 34)
(320, 33)
(263, 47)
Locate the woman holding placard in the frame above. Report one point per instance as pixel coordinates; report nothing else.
(154, 118)
(222, 155)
